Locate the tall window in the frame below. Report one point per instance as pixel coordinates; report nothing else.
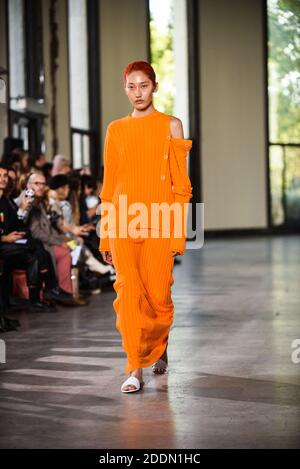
(78, 73)
(26, 73)
(169, 57)
(16, 33)
(284, 110)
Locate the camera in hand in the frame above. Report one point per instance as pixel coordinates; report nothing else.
(29, 193)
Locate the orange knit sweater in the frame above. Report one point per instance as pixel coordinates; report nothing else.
(143, 161)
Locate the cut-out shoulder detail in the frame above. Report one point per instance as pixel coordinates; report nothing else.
(176, 128)
(175, 119)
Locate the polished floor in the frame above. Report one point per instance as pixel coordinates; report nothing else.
(231, 383)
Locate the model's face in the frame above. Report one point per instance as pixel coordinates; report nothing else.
(139, 89)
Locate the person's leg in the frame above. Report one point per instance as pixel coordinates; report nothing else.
(128, 286)
(143, 306)
(63, 263)
(22, 256)
(33, 277)
(94, 265)
(48, 274)
(46, 267)
(157, 273)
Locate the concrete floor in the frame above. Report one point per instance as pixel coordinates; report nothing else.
(231, 384)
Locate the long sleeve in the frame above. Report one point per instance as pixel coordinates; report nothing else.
(110, 168)
(182, 188)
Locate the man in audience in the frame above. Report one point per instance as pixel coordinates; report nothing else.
(15, 250)
(61, 165)
(54, 242)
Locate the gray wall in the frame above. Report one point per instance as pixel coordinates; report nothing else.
(62, 79)
(232, 114)
(123, 39)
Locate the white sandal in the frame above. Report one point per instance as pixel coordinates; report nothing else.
(160, 364)
(135, 382)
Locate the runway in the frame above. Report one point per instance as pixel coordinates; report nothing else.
(231, 380)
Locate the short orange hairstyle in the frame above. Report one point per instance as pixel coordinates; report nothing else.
(140, 66)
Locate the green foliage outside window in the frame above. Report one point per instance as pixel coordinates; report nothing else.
(284, 109)
(162, 54)
(284, 70)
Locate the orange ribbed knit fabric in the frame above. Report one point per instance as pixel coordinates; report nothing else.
(143, 162)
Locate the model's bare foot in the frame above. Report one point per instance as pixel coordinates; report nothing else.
(161, 365)
(137, 373)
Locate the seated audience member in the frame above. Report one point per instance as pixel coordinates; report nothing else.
(61, 165)
(38, 161)
(47, 170)
(88, 201)
(88, 204)
(47, 272)
(59, 186)
(91, 241)
(58, 193)
(19, 159)
(41, 228)
(16, 250)
(12, 189)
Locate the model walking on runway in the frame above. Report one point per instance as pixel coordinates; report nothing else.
(145, 164)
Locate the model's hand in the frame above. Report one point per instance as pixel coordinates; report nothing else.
(175, 253)
(107, 257)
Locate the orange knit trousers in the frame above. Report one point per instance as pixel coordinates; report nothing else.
(143, 306)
